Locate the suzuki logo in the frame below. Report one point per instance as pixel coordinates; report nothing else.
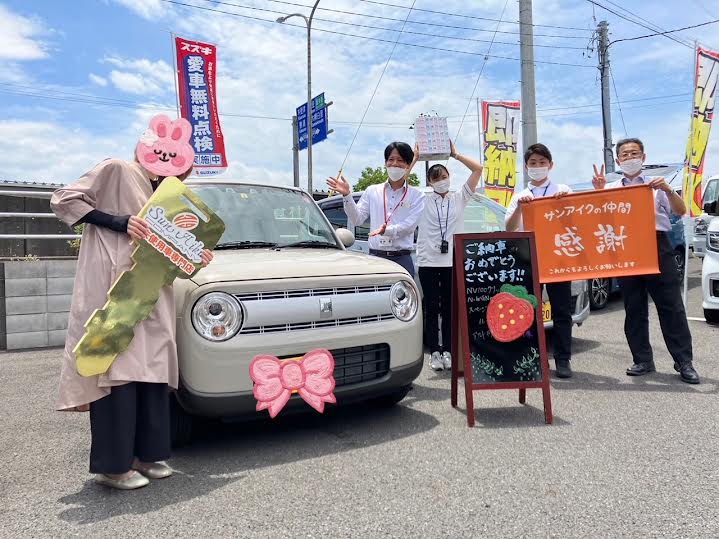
(325, 308)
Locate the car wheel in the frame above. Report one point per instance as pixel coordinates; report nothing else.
(180, 424)
(711, 316)
(679, 257)
(598, 293)
(387, 401)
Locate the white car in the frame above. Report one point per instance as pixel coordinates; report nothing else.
(283, 283)
(710, 268)
(701, 223)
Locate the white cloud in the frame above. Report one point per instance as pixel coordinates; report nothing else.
(97, 79)
(19, 37)
(134, 83)
(141, 76)
(148, 9)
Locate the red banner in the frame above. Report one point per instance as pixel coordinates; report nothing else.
(196, 70)
(607, 233)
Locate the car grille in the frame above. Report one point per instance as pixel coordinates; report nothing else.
(313, 292)
(257, 330)
(359, 364)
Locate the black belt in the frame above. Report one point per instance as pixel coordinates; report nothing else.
(402, 252)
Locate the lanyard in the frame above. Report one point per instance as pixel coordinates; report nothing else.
(446, 221)
(544, 193)
(384, 200)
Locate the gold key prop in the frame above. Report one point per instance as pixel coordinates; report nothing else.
(181, 227)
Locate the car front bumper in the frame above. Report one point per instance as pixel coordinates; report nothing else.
(710, 282)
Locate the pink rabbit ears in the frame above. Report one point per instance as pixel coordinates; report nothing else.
(164, 148)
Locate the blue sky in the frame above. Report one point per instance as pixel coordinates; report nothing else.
(57, 55)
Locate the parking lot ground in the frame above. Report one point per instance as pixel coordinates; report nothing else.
(631, 457)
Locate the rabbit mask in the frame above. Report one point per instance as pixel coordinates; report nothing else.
(164, 148)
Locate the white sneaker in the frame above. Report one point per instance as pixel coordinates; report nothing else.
(447, 360)
(436, 362)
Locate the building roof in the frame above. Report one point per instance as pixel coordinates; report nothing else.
(28, 184)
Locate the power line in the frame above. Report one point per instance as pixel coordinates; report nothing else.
(619, 106)
(378, 17)
(416, 45)
(635, 22)
(666, 32)
(374, 92)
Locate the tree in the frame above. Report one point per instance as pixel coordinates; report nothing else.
(372, 176)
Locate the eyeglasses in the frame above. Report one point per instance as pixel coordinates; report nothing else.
(630, 155)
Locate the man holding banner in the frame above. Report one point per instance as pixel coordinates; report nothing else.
(538, 162)
(665, 287)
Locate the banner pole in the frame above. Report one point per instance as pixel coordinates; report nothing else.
(687, 188)
(175, 73)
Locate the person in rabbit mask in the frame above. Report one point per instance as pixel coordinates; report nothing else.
(129, 404)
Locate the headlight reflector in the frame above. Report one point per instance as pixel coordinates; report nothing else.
(700, 226)
(713, 241)
(217, 316)
(404, 301)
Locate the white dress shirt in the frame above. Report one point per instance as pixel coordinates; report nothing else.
(442, 216)
(662, 208)
(545, 190)
(404, 208)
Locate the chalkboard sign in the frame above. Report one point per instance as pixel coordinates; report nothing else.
(497, 317)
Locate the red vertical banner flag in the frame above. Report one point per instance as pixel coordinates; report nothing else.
(706, 75)
(196, 78)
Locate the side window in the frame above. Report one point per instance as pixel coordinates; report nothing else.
(481, 217)
(336, 216)
(710, 194)
(362, 232)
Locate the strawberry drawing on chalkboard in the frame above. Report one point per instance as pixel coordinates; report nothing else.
(511, 313)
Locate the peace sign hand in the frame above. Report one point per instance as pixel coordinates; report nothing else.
(599, 180)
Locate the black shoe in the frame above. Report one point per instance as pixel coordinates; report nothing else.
(640, 369)
(563, 368)
(677, 367)
(688, 374)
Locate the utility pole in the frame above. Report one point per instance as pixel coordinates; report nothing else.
(529, 99)
(295, 152)
(603, 31)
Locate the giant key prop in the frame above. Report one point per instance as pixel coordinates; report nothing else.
(181, 227)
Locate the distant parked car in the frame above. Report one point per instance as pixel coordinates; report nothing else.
(701, 223)
(481, 215)
(710, 267)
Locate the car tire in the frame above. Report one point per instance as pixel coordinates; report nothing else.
(711, 316)
(599, 290)
(392, 399)
(180, 424)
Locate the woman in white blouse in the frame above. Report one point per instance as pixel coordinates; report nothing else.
(443, 215)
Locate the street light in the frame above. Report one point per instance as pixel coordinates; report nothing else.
(308, 22)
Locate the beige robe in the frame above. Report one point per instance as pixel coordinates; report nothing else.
(118, 188)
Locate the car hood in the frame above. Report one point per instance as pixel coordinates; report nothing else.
(261, 264)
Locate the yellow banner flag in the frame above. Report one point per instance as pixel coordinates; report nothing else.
(705, 86)
(500, 126)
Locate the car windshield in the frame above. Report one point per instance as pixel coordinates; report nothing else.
(262, 216)
(482, 215)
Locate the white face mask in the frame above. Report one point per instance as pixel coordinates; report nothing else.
(441, 186)
(538, 173)
(632, 166)
(396, 173)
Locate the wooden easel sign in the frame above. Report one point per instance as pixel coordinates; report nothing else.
(498, 337)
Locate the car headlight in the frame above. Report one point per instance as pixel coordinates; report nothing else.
(700, 226)
(217, 316)
(404, 301)
(713, 241)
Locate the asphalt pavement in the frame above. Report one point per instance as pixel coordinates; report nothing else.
(625, 457)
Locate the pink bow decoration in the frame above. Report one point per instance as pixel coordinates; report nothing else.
(275, 380)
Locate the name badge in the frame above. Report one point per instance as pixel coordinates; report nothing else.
(406, 204)
(385, 242)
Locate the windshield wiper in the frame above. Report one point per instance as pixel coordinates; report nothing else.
(244, 245)
(309, 244)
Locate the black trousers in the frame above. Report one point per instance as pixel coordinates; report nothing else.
(132, 421)
(560, 297)
(665, 289)
(437, 290)
(403, 260)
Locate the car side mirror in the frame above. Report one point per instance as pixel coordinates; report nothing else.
(346, 237)
(710, 208)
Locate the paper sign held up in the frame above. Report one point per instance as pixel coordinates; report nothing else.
(432, 137)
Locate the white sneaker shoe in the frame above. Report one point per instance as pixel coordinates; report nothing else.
(447, 360)
(435, 361)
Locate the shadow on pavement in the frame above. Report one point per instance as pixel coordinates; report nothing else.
(520, 416)
(227, 453)
(658, 382)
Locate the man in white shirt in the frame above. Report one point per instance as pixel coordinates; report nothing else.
(665, 287)
(393, 208)
(538, 162)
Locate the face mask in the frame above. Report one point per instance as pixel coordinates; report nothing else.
(538, 173)
(396, 173)
(441, 186)
(632, 166)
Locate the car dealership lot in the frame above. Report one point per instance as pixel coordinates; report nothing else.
(624, 457)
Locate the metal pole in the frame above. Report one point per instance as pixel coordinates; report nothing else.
(603, 30)
(295, 152)
(310, 128)
(529, 100)
(687, 220)
(175, 73)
